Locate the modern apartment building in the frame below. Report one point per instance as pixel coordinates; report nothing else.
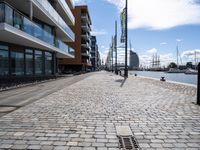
(94, 54)
(33, 35)
(82, 44)
(133, 61)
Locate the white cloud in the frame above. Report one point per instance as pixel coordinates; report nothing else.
(163, 43)
(189, 55)
(98, 33)
(152, 51)
(103, 52)
(160, 14)
(179, 40)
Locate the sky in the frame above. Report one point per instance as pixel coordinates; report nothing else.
(155, 26)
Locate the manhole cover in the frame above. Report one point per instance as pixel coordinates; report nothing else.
(5, 109)
(128, 143)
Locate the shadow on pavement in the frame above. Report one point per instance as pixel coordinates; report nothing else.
(123, 81)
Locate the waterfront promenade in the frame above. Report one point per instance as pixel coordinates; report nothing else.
(84, 116)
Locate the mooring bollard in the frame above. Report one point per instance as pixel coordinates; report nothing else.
(198, 85)
(162, 79)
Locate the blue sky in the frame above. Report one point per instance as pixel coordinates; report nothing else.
(155, 26)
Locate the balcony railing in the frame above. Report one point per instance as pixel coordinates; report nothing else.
(16, 19)
(55, 16)
(67, 9)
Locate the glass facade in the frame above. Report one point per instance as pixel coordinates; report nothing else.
(48, 63)
(29, 61)
(17, 63)
(17, 20)
(8, 15)
(40, 31)
(55, 16)
(1, 13)
(4, 60)
(38, 62)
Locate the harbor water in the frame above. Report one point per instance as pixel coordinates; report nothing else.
(177, 77)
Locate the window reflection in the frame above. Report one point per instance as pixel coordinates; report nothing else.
(29, 62)
(4, 67)
(48, 63)
(8, 15)
(17, 63)
(38, 62)
(1, 13)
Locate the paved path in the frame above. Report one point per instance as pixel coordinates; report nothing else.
(84, 116)
(22, 96)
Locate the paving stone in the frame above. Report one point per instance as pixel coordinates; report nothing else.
(161, 115)
(33, 147)
(59, 143)
(62, 148)
(47, 147)
(5, 146)
(19, 147)
(89, 148)
(72, 143)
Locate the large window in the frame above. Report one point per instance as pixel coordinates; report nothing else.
(17, 63)
(38, 62)
(29, 62)
(4, 65)
(48, 63)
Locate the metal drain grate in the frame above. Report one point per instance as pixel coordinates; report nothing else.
(128, 143)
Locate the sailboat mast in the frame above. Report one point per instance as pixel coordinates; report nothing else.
(177, 56)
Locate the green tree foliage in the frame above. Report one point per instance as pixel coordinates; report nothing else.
(172, 65)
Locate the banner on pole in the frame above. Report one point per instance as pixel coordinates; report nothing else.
(123, 25)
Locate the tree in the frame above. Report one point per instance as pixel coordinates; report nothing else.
(172, 65)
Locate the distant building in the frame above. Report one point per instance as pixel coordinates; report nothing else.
(133, 60)
(82, 45)
(94, 53)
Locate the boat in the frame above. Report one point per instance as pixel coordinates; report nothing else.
(191, 71)
(175, 70)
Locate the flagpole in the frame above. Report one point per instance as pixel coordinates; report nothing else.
(126, 42)
(112, 55)
(116, 72)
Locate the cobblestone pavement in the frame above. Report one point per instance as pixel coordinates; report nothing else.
(84, 116)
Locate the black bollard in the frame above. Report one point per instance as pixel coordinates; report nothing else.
(198, 86)
(162, 79)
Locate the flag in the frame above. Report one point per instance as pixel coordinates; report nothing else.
(123, 25)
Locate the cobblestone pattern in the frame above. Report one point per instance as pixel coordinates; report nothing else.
(84, 115)
(183, 88)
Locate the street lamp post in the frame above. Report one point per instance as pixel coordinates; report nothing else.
(198, 86)
(116, 71)
(126, 41)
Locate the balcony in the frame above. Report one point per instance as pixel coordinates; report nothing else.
(49, 12)
(85, 27)
(85, 36)
(63, 9)
(85, 53)
(23, 31)
(70, 3)
(85, 45)
(85, 18)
